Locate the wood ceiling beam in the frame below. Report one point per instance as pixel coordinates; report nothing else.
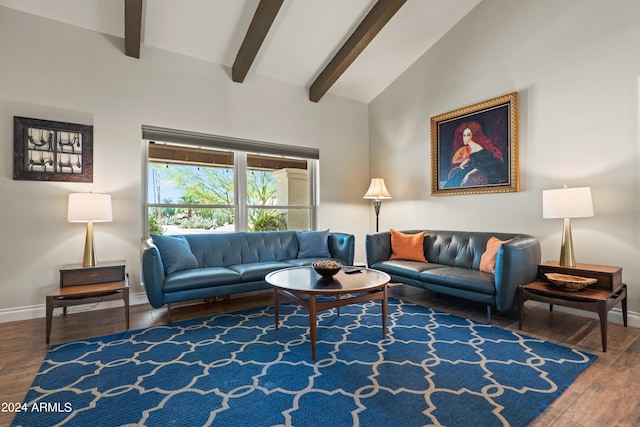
(370, 26)
(132, 27)
(258, 29)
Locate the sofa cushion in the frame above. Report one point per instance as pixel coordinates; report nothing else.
(198, 278)
(175, 253)
(411, 269)
(313, 244)
(490, 254)
(256, 271)
(407, 246)
(461, 278)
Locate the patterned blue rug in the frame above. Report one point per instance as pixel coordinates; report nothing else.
(235, 369)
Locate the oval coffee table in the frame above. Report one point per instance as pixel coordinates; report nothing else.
(295, 282)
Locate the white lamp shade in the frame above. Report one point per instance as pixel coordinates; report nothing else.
(567, 203)
(84, 207)
(377, 190)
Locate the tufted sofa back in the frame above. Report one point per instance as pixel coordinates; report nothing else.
(219, 250)
(455, 248)
(460, 248)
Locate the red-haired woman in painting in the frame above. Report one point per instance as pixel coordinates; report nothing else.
(476, 161)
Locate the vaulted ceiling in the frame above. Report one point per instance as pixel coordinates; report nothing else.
(351, 48)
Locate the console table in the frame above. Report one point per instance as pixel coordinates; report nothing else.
(600, 297)
(84, 285)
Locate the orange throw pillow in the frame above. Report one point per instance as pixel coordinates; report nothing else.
(407, 246)
(488, 259)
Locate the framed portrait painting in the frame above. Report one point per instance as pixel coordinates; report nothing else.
(44, 150)
(474, 149)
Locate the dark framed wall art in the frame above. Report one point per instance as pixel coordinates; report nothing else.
(45, 150)
(474, 149)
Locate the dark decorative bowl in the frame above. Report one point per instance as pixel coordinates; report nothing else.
(327, 268)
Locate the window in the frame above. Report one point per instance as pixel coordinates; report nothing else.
(208, 186)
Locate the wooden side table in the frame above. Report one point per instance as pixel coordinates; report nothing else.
(600, 297)
(85, 285)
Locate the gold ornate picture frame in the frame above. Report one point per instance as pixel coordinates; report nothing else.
(44, 150)
(474, 149)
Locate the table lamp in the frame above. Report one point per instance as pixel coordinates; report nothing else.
(377, 191)
(567, 203)
(89, 208)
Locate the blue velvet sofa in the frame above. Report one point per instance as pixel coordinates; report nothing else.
(202, 266)
(453, 265)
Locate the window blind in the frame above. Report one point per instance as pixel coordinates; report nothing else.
(154, 133)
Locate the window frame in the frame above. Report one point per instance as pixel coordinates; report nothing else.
(240, 168)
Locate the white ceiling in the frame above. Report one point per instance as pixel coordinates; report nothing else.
(304, 37)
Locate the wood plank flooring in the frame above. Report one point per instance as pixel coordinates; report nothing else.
(606, 394)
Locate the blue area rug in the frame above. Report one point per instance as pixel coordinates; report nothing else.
(235, 369)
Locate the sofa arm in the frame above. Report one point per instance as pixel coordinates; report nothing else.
(152, 273)
(342, 246)
(378, 247)
(516, 264)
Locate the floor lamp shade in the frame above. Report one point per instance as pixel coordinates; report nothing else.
(89, 208)
(377, 191)
(567, 203)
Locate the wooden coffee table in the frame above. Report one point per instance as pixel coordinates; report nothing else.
(298, 282)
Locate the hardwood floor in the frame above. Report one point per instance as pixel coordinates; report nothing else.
(606, 394)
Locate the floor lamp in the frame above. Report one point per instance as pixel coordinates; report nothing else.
(567, 203)
(377, 191)
(89, 208)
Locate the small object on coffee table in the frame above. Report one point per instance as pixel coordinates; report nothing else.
(327, 268)
(570, 283)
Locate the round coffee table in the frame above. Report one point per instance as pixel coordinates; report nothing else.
(365, 285)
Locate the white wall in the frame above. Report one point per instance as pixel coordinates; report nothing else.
(55, 71)
(575, 66)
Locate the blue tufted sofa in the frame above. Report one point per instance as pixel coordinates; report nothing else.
(453, 265)
(229, 263)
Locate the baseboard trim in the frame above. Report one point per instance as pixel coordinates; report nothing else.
(39, 310)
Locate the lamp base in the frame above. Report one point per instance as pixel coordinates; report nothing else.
(89, 259)
(376, 206)
(567, 256)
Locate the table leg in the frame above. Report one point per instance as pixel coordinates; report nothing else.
(602, 313)
(521, 300)
(624, 306)
(276, 306)
(385, 310)
(338, 298)
(312, 324)
(49, 315)
(125, 296)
